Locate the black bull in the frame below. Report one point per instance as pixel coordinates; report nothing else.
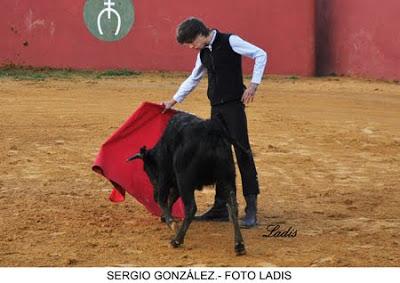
(192, 153)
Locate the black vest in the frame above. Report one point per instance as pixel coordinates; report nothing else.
(224, 67)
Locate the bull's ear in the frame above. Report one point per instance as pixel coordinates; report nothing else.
(143, 151)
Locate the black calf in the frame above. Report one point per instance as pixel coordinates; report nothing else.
(191, 153)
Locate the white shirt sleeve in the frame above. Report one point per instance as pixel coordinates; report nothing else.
(247, 49)
(191, 82)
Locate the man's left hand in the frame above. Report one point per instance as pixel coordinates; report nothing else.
(249, 93)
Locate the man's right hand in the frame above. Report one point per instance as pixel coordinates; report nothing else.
(168, 104)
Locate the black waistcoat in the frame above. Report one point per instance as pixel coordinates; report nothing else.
(224, 67)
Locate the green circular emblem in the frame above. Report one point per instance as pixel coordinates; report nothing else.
(109, 20)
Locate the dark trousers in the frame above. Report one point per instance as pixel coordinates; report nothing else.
(235, 118)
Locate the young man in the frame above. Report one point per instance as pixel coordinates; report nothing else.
(220, 56)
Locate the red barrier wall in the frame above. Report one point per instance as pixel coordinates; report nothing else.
(359, 37)
(53, 33)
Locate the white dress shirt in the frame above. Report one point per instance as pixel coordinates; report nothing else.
(238, 45)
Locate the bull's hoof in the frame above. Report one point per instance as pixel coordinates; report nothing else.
(240, 249)
(175, 243)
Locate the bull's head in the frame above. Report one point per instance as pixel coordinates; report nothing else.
(149, 165)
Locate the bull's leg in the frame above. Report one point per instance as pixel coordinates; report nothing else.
(190, 211)
(233, 214)
(162, 201)
(173, 196)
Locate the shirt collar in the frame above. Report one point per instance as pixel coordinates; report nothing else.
(213, 35)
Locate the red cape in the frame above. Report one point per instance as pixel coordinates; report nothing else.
(144, 127)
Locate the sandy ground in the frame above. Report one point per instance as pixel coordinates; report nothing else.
(327, 152)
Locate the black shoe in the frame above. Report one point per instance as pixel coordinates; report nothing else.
(218, 212)
(250, 219)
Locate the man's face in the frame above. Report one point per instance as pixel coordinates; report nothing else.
(198, 43)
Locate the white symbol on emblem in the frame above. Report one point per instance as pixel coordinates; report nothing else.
(109, 10)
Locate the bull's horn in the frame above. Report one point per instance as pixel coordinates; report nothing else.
(136, 156)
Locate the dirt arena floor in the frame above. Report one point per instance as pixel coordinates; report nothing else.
(327, 152)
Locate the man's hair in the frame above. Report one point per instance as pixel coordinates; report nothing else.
(189, 29)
